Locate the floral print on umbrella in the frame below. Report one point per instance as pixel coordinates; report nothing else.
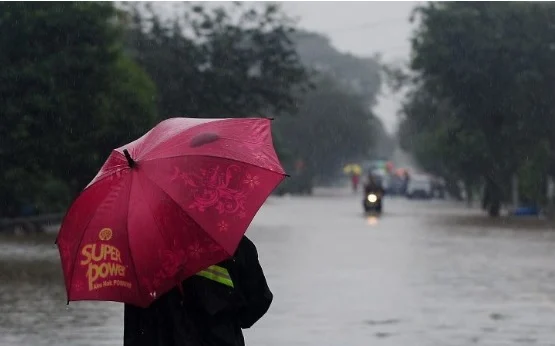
(213, 188)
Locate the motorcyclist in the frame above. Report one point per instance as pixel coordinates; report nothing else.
(373, 186)
(210, 310)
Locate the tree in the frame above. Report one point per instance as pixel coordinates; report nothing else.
(223, 62)
(431, 131)
(68, 95)
(360, 75)
(331, 127)
(492, 63)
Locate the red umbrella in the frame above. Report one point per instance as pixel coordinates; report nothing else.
(165, 207)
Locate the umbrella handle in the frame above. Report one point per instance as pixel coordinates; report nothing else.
(130, 161)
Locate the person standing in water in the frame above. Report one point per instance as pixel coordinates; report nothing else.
(211, 309)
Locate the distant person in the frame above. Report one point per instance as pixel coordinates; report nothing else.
(406, 181)
(355, 180)
(211, 310)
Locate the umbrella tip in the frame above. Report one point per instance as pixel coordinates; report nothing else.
(130, 161)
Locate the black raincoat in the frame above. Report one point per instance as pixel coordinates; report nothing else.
(373, 187)
(207, 313)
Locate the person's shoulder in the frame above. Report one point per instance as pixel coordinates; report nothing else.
(246, 247)
(246, 243)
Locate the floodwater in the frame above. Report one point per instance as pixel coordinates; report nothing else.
(424, 273)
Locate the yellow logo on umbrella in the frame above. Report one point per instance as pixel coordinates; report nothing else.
(104, 264)
(105, 234)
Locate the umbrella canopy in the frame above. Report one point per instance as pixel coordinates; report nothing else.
(165, 207)
(352, 168)
(401, 172)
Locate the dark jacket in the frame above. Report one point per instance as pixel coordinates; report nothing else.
(206, 313)
(373, 187)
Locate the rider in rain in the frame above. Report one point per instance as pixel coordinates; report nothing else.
(372, 185)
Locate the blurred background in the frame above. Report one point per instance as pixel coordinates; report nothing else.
(448, 105)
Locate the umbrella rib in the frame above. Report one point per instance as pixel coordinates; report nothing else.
(77, 253)
(189, 215)
(128, 239)
(152, 212)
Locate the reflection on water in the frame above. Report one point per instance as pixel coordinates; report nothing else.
(427, 274)
(372, 220)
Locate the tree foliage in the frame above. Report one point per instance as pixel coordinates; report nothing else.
(483, 75)
(67, 95)
(219, 62)
(331, 127)
(334, 123)
(360, 75)
(78, 79)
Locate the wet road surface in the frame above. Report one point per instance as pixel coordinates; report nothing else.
(418, 275)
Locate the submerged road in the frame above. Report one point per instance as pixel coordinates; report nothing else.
(417, 275)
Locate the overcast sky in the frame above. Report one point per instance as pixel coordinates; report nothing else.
(362, 28)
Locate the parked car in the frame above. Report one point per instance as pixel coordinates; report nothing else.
(419, 187)
(395, 185)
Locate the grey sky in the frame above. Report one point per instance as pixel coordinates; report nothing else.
(362, 28)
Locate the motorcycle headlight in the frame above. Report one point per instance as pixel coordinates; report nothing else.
(372, 198)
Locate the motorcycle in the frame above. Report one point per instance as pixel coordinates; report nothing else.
(373, 202)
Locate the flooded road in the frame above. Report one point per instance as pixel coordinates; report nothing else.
(422, 274)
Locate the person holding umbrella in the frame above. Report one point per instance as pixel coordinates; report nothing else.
(161, 229)
(354, 170)
(210, 308)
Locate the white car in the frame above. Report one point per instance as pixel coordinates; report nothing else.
(419, 187)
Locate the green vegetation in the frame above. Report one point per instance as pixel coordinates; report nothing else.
(480, 104)
(331, 125)
(64, 84)
(334, 123)
(78, 79)
(217, 63)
